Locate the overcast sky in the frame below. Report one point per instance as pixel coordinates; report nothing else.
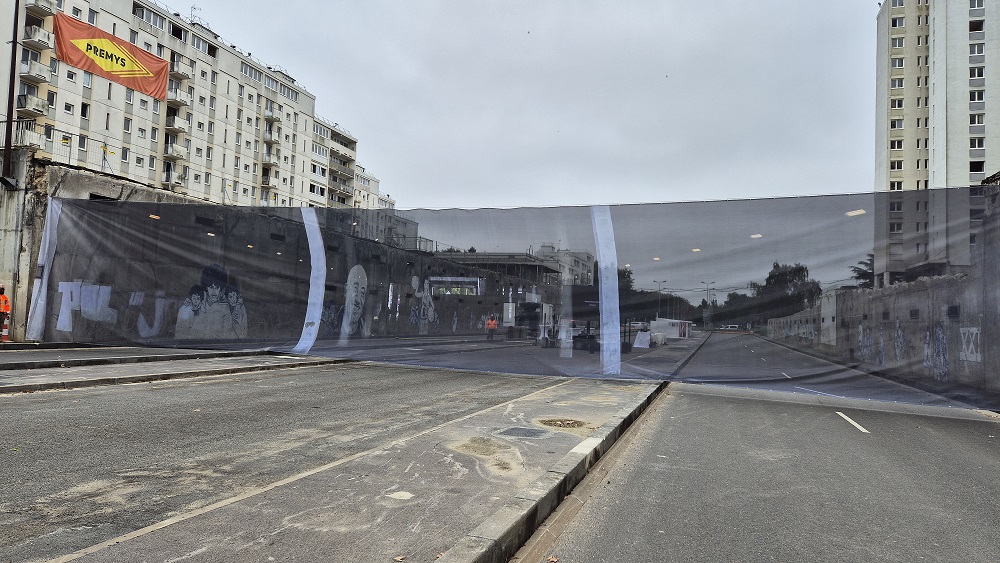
(467, 103)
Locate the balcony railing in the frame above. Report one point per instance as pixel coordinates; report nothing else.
(177, 124)
(182, 70)
(269, 159)
(271, 115)
(269, 182)
(37, 38)
(40, 8)
(270, 137)
(31, 105)
(342, 170)
(178, 97)
(34, 71)
(175, 152)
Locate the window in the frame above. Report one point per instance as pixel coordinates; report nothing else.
(71, 76)
(895, 227)
(211, 102)
(976, 166)
(128, 95)
(208, 153)
(124, 152)
(896, 103)
(896, 145)
(215, 76)
(128, 125)
(208, 178)
(52, 99)
(142, 133)
(896, 83)
(201, 100)
(85, 110)
(68, 108)
(897, 3)
(149, 16)
(152, 162)
(977, 71)
(92, 17)
(153, 133)
(897, 42)
(139, 161)
(895, 124)
(897, 62)
(977, 143)
(133, 37)
(977, 49)
(896, 206)
(211, 127)
(156, 107)
(896, 22)
(976, 25)
(895, 165)
(251, 72)
(977, 118)
(143, 103)
(87, 79)
(77, 13)
(973, 4)
(976, 95)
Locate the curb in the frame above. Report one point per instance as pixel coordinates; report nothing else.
(115, 360)
(680, 365)
(146, 378)
(499, 537)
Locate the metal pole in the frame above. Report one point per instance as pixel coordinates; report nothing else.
(9, 129)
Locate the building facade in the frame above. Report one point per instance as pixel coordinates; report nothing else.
(230, 130)
(934, 92)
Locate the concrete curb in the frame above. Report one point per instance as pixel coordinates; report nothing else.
(146, 378)
(78, 362)
(499, 537)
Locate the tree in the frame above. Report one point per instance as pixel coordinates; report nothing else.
(786, 290)
(471, 249)
(626, 283)
(864, 272)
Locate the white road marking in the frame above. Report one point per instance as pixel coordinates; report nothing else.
(821, 393)
(416, 349)
(763, 359)
(786, 375)
(856, 425)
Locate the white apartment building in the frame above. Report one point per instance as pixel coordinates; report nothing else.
(231, 129)
(934, 91)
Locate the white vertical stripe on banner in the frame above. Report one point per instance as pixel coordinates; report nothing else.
(40, 287)
(607, 261)
(317, 282)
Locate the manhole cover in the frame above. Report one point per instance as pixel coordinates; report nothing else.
(563, 422)
(522, 432)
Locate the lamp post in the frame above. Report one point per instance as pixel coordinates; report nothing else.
(7, 175)
(706, 314)
(659, 285)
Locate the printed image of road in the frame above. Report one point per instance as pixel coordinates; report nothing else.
(746, 360)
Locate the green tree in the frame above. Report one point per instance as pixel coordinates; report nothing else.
(864, 272)
(787, 289)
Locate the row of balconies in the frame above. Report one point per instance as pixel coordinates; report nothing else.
(37, 38)
(34, 72)
(40, 8)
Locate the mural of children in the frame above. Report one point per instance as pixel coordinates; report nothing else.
(237, 311)
(190, 311)
(354, 304)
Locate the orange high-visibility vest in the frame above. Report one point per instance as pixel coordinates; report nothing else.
(4, 304)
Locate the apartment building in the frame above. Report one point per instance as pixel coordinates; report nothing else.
(934, 91)
(229, 128)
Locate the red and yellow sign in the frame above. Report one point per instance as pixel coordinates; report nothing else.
(84, 46)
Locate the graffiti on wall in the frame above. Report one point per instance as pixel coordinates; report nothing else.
(91, 301)
(936, 352)
(354, 321)
(423, 314)
(971, 351)
(901, 345)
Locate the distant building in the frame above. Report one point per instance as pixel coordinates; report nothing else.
(932, 118)
(576, 266)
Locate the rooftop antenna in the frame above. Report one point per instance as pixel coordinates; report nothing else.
(193, 10)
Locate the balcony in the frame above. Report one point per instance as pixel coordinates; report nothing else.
(268, 182)
(175, 152)
(40, 8)
(173, 179)
(37, 38)
(31, 105)
(270, 138)
(178, 97)
(272, 116)
(269, 159)
(177, 125)
(341, 170)
(181, 70)
(34, 71)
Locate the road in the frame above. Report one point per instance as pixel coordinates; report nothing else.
(732, 472)
(745, 360)
(350, 462)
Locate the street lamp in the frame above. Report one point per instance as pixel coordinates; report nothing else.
(706, 314)
(659, 285)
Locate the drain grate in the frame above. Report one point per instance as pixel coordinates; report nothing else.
(522, 432)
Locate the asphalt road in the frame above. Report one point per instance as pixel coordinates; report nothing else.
(744, 360)
(724, 474)
(80, 467)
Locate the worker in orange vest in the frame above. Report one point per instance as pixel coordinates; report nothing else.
(491, 328)
(4, 306)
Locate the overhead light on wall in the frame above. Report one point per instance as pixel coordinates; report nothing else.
(855, 213)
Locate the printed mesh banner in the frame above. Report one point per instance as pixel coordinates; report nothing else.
(84, 46)
(864, 295)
